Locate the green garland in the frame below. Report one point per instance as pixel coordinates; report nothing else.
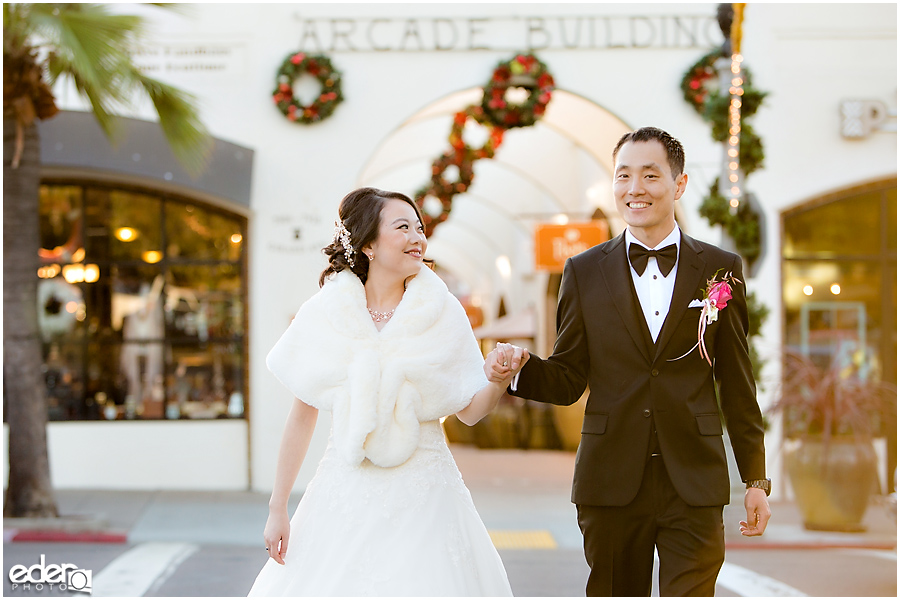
(758, 313)
(700, 89)
(743, 227)
(751, 149)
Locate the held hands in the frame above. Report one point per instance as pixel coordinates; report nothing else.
(276, 534)
(503, 362)
(758, 513)
(498, 375)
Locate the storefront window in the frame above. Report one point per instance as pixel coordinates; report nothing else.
(840, 257)
(141, 305)
(840, 285)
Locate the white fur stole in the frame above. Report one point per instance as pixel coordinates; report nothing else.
(424, 364)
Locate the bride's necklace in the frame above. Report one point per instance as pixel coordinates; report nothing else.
(378, 316)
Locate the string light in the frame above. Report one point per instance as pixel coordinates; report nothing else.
(734, 139)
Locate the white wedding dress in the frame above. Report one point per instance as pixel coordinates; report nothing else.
(387, 513)
(409, 530)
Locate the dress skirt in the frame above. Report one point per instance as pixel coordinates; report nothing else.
(410, 530)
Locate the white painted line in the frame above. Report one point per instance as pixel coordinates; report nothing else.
(883, 554)
(654, 578)
(134, 572)
(745, 582)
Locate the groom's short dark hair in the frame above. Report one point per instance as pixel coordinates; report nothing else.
(674, 149)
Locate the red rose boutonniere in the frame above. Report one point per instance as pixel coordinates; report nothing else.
(716, 298)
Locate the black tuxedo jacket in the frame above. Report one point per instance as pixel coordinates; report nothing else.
(603, 343)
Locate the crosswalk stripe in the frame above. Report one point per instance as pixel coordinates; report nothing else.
(745, 582)
(882, 554)
(134, 572)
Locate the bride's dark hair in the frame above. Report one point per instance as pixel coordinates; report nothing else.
(360, 212)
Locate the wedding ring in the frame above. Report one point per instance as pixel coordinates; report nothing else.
(504, 363)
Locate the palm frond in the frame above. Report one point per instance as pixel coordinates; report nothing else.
(189, 139)
(93, 47)
(89, 43)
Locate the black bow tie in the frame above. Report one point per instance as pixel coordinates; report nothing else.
(665, 258)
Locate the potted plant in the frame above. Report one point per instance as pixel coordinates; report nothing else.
(831, 415)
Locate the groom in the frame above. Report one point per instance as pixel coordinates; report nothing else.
(651, 469)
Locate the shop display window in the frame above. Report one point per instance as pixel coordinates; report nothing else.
(141, 305)
(840, 287)
(839, 274)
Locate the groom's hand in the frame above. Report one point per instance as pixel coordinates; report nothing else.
(758, 513)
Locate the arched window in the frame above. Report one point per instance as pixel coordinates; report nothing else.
(141, 304)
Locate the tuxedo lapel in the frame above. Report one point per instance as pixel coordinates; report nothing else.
(616, 276)
(688, 282)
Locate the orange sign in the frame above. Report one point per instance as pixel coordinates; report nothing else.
(553, 244)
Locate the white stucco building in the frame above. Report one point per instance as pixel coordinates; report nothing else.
(406, 69)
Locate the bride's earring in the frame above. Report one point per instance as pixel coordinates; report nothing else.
(371, 256)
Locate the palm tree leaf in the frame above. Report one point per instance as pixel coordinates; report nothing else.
(101, 103)
(178, 118)
(93, 42)
(93, 47)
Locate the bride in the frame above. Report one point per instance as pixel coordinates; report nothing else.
(389, 351)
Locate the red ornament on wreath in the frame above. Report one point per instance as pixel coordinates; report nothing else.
(319, 66)
(700, 80)
(530, 75)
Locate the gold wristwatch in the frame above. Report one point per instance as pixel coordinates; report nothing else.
(763, 484)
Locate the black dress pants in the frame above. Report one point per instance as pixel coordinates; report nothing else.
(619, 541)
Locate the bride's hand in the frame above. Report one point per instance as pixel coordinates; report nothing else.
(276, 534)
(504, 362)
(492, 368)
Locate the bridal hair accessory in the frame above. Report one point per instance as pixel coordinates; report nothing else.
(716, 297)
(342, 235)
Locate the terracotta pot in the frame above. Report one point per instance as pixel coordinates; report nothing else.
(832, 488)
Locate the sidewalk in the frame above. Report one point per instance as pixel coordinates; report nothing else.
(513, 490)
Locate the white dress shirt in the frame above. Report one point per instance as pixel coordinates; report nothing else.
(653, 289)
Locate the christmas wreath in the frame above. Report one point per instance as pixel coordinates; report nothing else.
(320, 67)
(700, 88)
(436, 198)
(516, 96)
(697, 82)
(495, 134)
(524, 71)
(435, 209)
